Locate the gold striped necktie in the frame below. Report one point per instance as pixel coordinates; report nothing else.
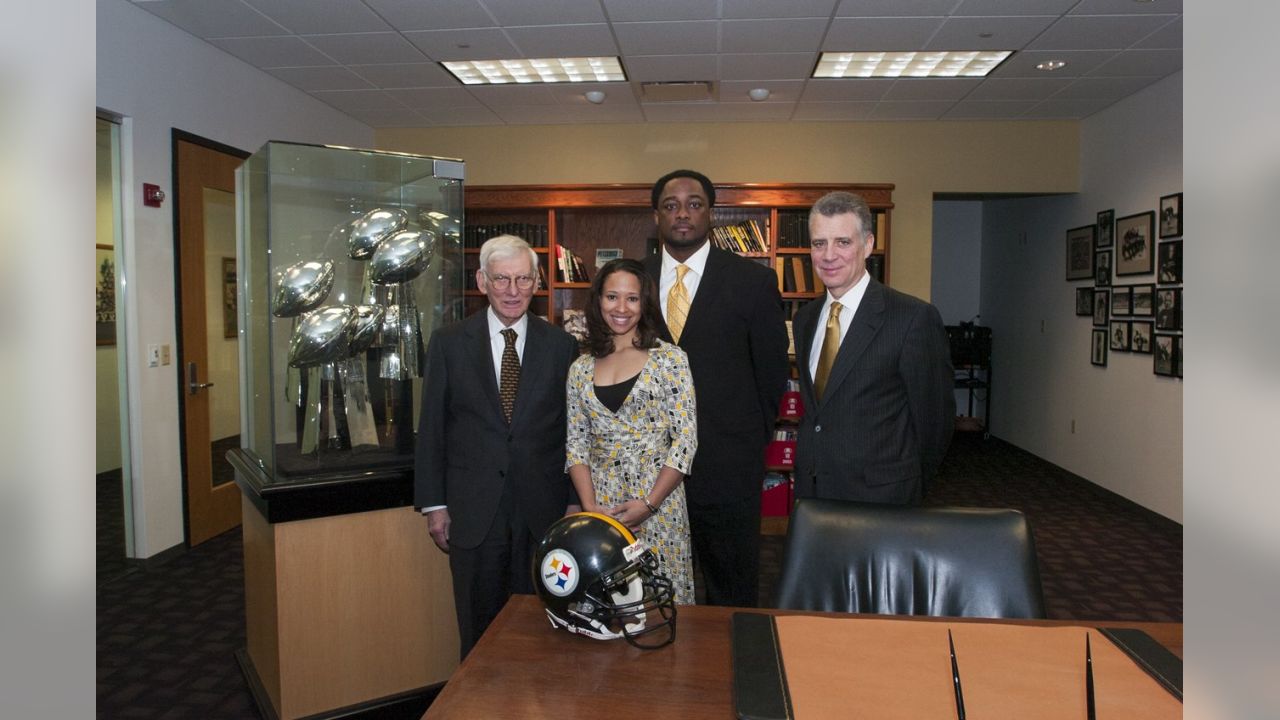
(830, 347)
(678, 303)
(510, 379)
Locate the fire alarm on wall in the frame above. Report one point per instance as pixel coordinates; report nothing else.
(152, 195)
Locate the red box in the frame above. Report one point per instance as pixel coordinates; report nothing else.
(792, 407)
(776, 501)
(780, 453)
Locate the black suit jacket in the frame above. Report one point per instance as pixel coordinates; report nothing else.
(466, 452)
(736, 340)
(880, 431)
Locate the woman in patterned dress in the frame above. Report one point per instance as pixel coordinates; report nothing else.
(632, 426)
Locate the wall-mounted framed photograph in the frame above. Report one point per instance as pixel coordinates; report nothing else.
(1102, 268)
(1168, 308)
(1080, 252)
(1169, 263)
(1119, 335)
(105, 294)
(1171, 216)
(1101, 306)
(1165, 355)
(1098, 348)
(1135, 244)
(1140, 332)
(1143, 302)
(1084, 301)
(1177, 355)
(229, 301)
(1106, 228)
(1121, 300)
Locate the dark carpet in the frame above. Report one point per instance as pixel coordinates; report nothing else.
(166, 634)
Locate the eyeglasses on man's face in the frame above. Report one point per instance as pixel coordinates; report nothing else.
(502, 282)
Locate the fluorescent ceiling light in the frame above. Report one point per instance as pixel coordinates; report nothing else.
(537, 70)
(908, 64)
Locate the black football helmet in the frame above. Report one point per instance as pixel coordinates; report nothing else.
(596, 579)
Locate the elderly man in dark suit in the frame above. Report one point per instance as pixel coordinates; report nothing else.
(489, 471)
(726, 313)
(875, 372)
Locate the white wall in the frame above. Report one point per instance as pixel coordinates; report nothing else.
(1128, 421)
(159, 78)
(956, 278)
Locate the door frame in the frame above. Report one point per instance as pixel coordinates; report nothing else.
(180, 352)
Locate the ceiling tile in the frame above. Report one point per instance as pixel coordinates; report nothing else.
(1014, 7)
(671, 68)
(434, 15)
(406, 75)
(461, 116)
(568, 115)
(545, 12)
(430, 98)
(1019, 88)
(213, 19)
(1121, 7)
(616, 94)
(895, 8)
(775, 9)
(473, 44)
(667, 38)
(310, 17)
(653, 10)
(722, 112)
(779, 90)
(553, 40)
(988, 110)
(833, 111)
(1156, 63)
(1079, 62)
(846, 89)
(366, 48)
(767, 66)
(1167, 37)
(1065, 109)
(1007, 33)
(359, 99)
(759, 36)
(931, 88)
(851, 34)
(1098, 32)
(1103, 88)
(264, 52)
(312, 79)
(904, 110)
(496, 96)
(402, 117)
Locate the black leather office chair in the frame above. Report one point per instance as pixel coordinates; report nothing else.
(957, 562)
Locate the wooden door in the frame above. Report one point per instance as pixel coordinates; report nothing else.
(209, 352)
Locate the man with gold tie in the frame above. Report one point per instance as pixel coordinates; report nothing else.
(725, 312)
(875, 372)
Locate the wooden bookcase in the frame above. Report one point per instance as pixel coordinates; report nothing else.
(587, 218)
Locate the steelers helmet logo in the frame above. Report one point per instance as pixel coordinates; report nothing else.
(559, 573)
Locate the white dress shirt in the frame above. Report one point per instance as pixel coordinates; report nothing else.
(851, 300)
(697, 263)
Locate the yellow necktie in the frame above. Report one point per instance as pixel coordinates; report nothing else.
(830, 347)
(678, 303)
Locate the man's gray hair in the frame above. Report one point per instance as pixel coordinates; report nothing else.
(503, 247)
(844, 203)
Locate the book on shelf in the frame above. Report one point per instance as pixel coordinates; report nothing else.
(875, 267)
(476, 234)
(746, 236)
(572, 268)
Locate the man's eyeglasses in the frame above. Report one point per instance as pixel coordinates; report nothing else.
(502, 282)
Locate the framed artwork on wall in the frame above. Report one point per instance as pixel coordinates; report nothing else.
(1098, 349)
(1142, 304)
(1084, 301)
(105, 294)
(1119, 335)
(1165, 355)
(1080, 252)
(1169, 309)
(1171, 215)
(229, 302)
(1169, 263)
(1140, 336)
(1120, 300)
(1102, 268)
(1106, 228)
(1135, 244)
(1177, 355)
(1101, 306)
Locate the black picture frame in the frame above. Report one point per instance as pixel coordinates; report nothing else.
(1084, 301)
(1140, 332)
(1168, 309)
(105, 295)
(1135, 244)
(1102, 268)
(1101, 306)
(1171, 215)
(1080, 252)
(1177, 355)
(1169, 263)
(1142, 302)
(1106, 229)
(1164, 355)
(1121, 300)
(1098, 347)
(1118, 335)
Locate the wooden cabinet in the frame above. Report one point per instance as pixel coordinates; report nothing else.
(584, 219)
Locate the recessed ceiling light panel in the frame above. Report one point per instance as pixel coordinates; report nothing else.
(537, 70)
(907, 64)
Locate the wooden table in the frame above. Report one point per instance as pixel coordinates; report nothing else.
(523, 668)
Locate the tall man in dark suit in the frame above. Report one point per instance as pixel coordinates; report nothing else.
(726, 313)
(875, 372)
(489, 471)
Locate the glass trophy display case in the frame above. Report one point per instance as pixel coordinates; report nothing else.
(349, 259)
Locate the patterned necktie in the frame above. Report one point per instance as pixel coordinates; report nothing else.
(510, 382)
(830, 347)
(678, 303)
